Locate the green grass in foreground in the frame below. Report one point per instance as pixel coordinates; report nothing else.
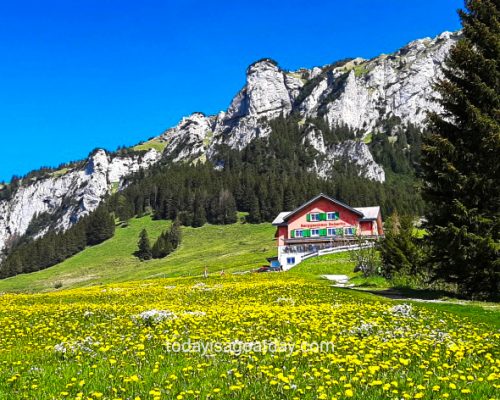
(232, 248)
(336, 264)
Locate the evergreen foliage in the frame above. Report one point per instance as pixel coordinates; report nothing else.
(100, 225)
(401, 252)
(30, 255)
(144, 253)
(460, 158)
(168, 241)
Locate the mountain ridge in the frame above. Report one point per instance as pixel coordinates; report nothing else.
(357, 94)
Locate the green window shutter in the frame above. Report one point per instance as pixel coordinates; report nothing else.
(307, 232)
(353, 231)
(337, 215)
(322, 232)
(322, 216)
(340, 231)
(308, 217)
(293, 233)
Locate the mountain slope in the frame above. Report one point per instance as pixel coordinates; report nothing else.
(234, 247)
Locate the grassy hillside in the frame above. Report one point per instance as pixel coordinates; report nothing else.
(231, 247)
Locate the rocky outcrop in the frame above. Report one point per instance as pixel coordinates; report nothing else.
(363, 93)
(189, 140)
(268, 93)
(70, 196)
(349, 151)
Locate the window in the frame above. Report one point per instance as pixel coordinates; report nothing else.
(349, 230)
(332, 216)
(331, 232)
(290, 260)
(299, 233)
(314, 216)
(314, 232)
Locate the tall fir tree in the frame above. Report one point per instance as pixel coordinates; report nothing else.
(100, 226)
(460, 158)
(144, 252)
(175, 234)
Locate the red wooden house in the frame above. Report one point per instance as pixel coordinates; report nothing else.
(322, 223)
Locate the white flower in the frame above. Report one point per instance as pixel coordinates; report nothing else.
(153, 317)
(402, 310)
(285, 300)
(196, 313)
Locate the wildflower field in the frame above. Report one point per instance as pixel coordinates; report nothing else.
(116, 342)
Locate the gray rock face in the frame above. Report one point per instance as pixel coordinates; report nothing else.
(350, 151)
(397, 85)
(268, 92)
(189, 140)
(71, 195)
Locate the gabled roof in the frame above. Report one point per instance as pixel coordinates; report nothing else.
(319, 196)
(369, 213)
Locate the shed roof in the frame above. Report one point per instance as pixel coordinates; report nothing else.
(280, 218)
(369, 213)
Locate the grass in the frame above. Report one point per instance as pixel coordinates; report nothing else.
(60, 172)
(340, 264)
(368, 138)
(236, 247)
(360, 70)
(331, 264)
(157, 144)
(96, 343)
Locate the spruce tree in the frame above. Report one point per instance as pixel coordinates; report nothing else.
(254, 216)
(460, 158)
(162, 246)
(175, 235)
(100, 226)
(144, 252)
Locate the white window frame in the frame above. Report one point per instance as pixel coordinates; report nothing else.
(331, 232)
(290, 260)
(328, 216)
(316, 217)
(348, 231)
(296, 234)
(314, 229)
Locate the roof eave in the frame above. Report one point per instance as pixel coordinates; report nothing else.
(318, 197)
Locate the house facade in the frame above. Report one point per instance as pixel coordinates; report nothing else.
(323, 223)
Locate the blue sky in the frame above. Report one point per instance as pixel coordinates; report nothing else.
(76, 75)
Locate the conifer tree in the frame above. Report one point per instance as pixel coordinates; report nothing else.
(100, 226)
(162, 246)
(175, 235)
(460, 158)
(254, 210)
(199, 216)
(144, 252)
